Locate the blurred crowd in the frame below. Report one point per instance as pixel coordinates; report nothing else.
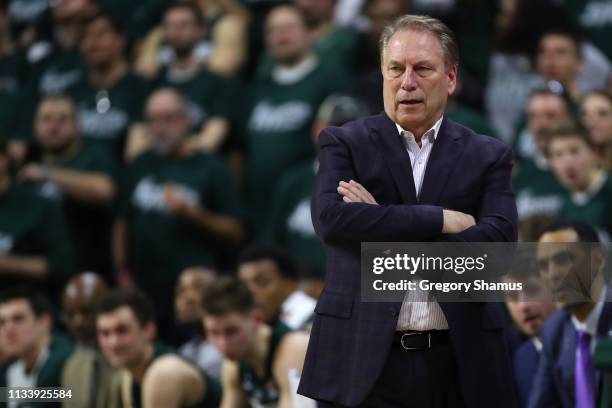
(157, 159)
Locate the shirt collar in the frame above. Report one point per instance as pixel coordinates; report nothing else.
(431, 133)
(583, 197)
(592, 320)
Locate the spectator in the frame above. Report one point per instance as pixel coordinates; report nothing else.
(35, 246)
(290, 222)
(271, 276)
(188, 309)
(207, 94)
(596, 109)
(86, 372)
(25, 328)
(589, 187)
(177, 208)
(221, 44)
(571, 261)
(329, 41)
(109, 97)
(156, 377)
(529, 309)
(79, 176)
(259, 359)
(536, 189)
(281, 107)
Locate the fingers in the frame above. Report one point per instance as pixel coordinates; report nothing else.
(355, 192)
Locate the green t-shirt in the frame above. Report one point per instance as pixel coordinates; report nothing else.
(595, 16)
(537, 191)
(290, 220)
(89, 224)
(31, 225)
(339, 47)
(161, 245)
(263, 392)
(208, 95)
(470, 118)
(593, 208)
(105, 114)
(278, 130)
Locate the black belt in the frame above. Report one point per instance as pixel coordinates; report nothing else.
(420, 340)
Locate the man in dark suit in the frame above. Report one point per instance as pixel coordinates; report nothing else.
(408, 175)
(566, 377)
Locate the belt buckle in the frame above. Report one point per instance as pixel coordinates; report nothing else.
(414, 334)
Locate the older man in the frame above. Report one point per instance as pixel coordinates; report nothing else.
(409, 174)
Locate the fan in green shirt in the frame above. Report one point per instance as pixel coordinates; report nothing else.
(109, 98)
(281, 108)
(537, 189)
(25, 318)
(575, 164)
(80, 177)
(35, 246)
(176, 208)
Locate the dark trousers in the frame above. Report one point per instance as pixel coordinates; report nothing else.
(416, 379)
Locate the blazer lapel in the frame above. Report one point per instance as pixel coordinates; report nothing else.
(388, 139)
(446, 150)
(604, 325)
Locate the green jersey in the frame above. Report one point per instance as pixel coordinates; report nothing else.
(263, 392)
(592, 207)
(89, 224)
(10, 97)
(31, 225)
(290, 221)
(278, 130)
(537, 189)
(162, 244)
(105, 114)
(595, 16)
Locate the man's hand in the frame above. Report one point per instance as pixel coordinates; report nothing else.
(34, 172)
(456, 222)
(353, 192)
(175, 202)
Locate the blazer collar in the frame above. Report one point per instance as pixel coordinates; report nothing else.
(442, 160)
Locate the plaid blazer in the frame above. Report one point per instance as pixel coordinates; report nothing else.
(350, 339)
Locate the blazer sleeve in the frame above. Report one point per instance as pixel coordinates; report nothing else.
(337, 221)
(497, 218)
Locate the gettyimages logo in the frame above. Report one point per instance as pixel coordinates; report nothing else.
(422, 263)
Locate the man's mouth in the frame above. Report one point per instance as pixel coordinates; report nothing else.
(411, 102)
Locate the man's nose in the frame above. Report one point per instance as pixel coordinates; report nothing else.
(409, 80)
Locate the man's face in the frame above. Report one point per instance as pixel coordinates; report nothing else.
(189, 290)
(567, 267)
(78, 303)
(597, 118)
(181, 30)
(19, 327)
(100, 44)
(121, 337)
(167, 121)
(233, 334)
(316, 11)
(558, 59)
(573, 162)
(56, 124)
(530, 309)
(545, 113)
(286, 35)
(268, 286)
(416, 82)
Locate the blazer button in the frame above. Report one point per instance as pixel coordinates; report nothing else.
(392, 312)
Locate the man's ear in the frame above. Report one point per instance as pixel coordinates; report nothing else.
(151, 330)
(452, 78)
